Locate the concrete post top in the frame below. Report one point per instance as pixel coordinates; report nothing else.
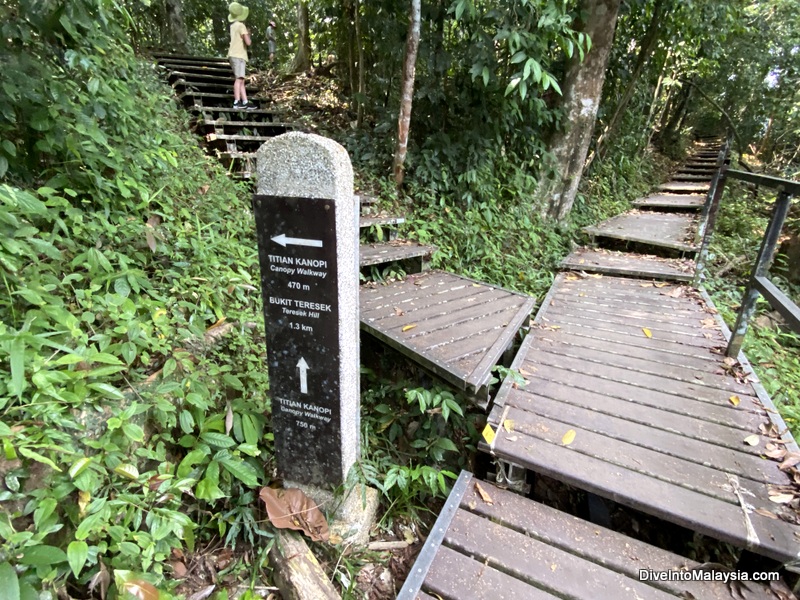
(304, 165)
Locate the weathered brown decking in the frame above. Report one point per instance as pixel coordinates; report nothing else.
(492, 544)
(455, 327)
(659, 418)
(611, 262)
(674, 231)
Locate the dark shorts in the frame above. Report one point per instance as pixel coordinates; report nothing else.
(238, 65)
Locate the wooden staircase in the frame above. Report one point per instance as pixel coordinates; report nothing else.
(661, 236)
(204, 86)
(628, 399)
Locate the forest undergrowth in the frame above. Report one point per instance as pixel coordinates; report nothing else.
(134, 412)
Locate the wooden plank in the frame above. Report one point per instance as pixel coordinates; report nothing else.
(453, 326)
(677, 201)
(525, 558)
(667, 230)
(560, 383)
(374, 220)
(666, 455)
(376, 254)
(677, 186)
(197, 77)
(593, 543)
(454, 576)
(679, 505)
(712, 380)
(705, 364)
(628, 264)
(411, 298)
(646, 381)
(706, 179)
(201, 69)
(614, 305)
(693, 422)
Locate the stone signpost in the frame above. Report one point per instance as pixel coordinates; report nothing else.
(307, 224)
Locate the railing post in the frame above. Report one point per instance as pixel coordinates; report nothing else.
(721, 158)
(760, 269)
(711, 219)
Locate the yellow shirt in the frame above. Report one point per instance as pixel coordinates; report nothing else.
(237, 48)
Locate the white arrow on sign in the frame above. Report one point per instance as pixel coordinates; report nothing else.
(284, 241)
(303, 366)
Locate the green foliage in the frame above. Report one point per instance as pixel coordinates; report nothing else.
(414, 440)
(127, 428)
(773, 352)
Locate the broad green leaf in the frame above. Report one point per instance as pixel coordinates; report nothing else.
(9, 583)
(217, 439)
(28, 453)
(79, 466)
(5, 430)
(46, 508)
(127, 470)
(77, 553)
(133, 431)
(108, 391)
(240, 469)
(17, 366)
(42, 556)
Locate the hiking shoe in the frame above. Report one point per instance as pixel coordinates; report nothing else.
(237, 104)
(250, 106)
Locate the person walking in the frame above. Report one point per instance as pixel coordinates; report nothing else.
(271, 41)
(237, 53)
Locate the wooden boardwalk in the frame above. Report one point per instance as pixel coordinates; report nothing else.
(455, 327)
(661, 422)
(666, 230)
(492, 544)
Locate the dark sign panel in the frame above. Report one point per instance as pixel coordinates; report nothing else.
(297, 254)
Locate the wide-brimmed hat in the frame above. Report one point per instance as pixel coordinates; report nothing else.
(237, 12)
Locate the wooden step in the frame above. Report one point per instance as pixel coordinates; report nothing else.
(212, 100)
(672, 231)
(213, 113)
(702, 177)
(220, 70)
(491, 544)
(168, 57)
(455, 327)
(214, 63)
(223, 126)
(608, 360)
(629, 264)
(684, 187)
(239, 143)
(194, 77)
(381, 220)
(672, 201)
(181, 85)
(416, 256)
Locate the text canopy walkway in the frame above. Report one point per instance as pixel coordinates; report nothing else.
(636, 372)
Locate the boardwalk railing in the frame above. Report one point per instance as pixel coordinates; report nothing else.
(759, 283)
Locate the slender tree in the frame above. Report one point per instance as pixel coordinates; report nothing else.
(407, 90)
(583, 87)
(302, 59)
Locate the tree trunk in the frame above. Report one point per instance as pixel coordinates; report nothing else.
(407, 90)
(302, 59)
(583, 87)
(176, 27)
(361, 71)
(646, 48)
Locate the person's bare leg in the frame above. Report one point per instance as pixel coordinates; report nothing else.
(242, 90)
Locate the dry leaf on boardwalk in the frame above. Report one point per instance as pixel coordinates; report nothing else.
(409, 327)
(399, 311)
(569, 437)
(734, 400)
(647, 332)
(508, 425)
(752, 440)
(792, 459)
(484, 496)
(292, 509)
(765, 513)
(782, 498)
